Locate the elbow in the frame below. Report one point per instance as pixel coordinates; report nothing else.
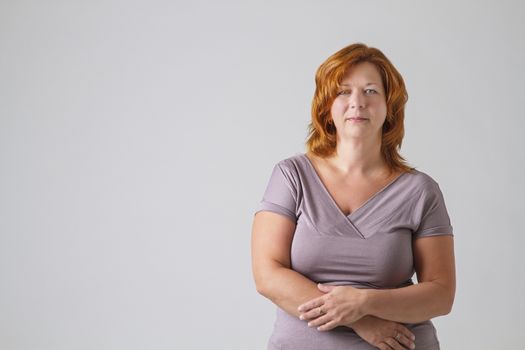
(266, 280)
(262, 286)
(445, 298)
(266, 291)
(447, 305)
(445, 310)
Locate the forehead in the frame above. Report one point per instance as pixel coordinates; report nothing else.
(363, 73)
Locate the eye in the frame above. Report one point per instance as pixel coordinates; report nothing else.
(344, 92)
(371, 90)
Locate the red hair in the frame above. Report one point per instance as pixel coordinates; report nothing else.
(322, 138)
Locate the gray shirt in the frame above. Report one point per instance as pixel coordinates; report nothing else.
(370, 248)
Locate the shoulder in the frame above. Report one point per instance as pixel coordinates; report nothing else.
(421, 178)
(421, 181)
(424, 186)
(293, 159)
(291, 168)
(292, 164)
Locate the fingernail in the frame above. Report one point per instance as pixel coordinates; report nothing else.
(412, 346)
(301, 317)
(309, 324)
(413, 337)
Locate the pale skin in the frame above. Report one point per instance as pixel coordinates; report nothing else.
(357, 168)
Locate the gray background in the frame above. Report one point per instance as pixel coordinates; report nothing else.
(137, 138)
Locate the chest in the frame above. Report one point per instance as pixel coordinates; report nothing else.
(350, 194)
(384, 259)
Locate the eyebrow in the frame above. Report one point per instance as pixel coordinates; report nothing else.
(365, 85)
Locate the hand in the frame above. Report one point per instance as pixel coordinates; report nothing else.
(340, 306)
(382, 333)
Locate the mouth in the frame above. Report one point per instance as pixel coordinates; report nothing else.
(356, 119)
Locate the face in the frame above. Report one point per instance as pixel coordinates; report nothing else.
(361, 94)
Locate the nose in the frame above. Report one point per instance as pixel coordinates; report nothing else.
(357, 100)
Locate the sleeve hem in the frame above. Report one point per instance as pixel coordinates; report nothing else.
(276, 209)
(435, 231)
(435, 234)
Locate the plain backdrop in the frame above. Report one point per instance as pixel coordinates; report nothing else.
(137, 138)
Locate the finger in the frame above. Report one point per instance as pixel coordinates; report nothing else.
(394, 344)
(403, 340)
(319, 321)
(384, 346)
(325, 288)
(328, 326)
(406, 332)
(311, 304)
(314, 313)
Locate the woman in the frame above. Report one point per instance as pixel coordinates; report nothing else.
(341, 229)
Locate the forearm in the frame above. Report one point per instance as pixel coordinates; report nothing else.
(288, 289)
(412, 304)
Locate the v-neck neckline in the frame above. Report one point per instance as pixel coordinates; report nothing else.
(332, 200)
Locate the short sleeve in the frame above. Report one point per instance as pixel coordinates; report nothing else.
(280, 195)
(433, 215)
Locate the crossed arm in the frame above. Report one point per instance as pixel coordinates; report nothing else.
(433, 296)
(434, 293)
(271, 242)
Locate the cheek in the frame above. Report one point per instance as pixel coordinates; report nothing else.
(337, 107)
(379, 105)
(378, 108)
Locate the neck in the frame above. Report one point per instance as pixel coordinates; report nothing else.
(359, 157)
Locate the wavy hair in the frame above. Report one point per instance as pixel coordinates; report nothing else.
(322, 138)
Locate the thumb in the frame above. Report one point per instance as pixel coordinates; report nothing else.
(325, 288)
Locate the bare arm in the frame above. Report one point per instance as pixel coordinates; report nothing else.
(272, 236)
(432, 296)
(271, 242)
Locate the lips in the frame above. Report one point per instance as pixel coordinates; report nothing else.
(357, 118)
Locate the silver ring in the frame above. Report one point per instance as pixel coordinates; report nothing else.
(397, 336)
